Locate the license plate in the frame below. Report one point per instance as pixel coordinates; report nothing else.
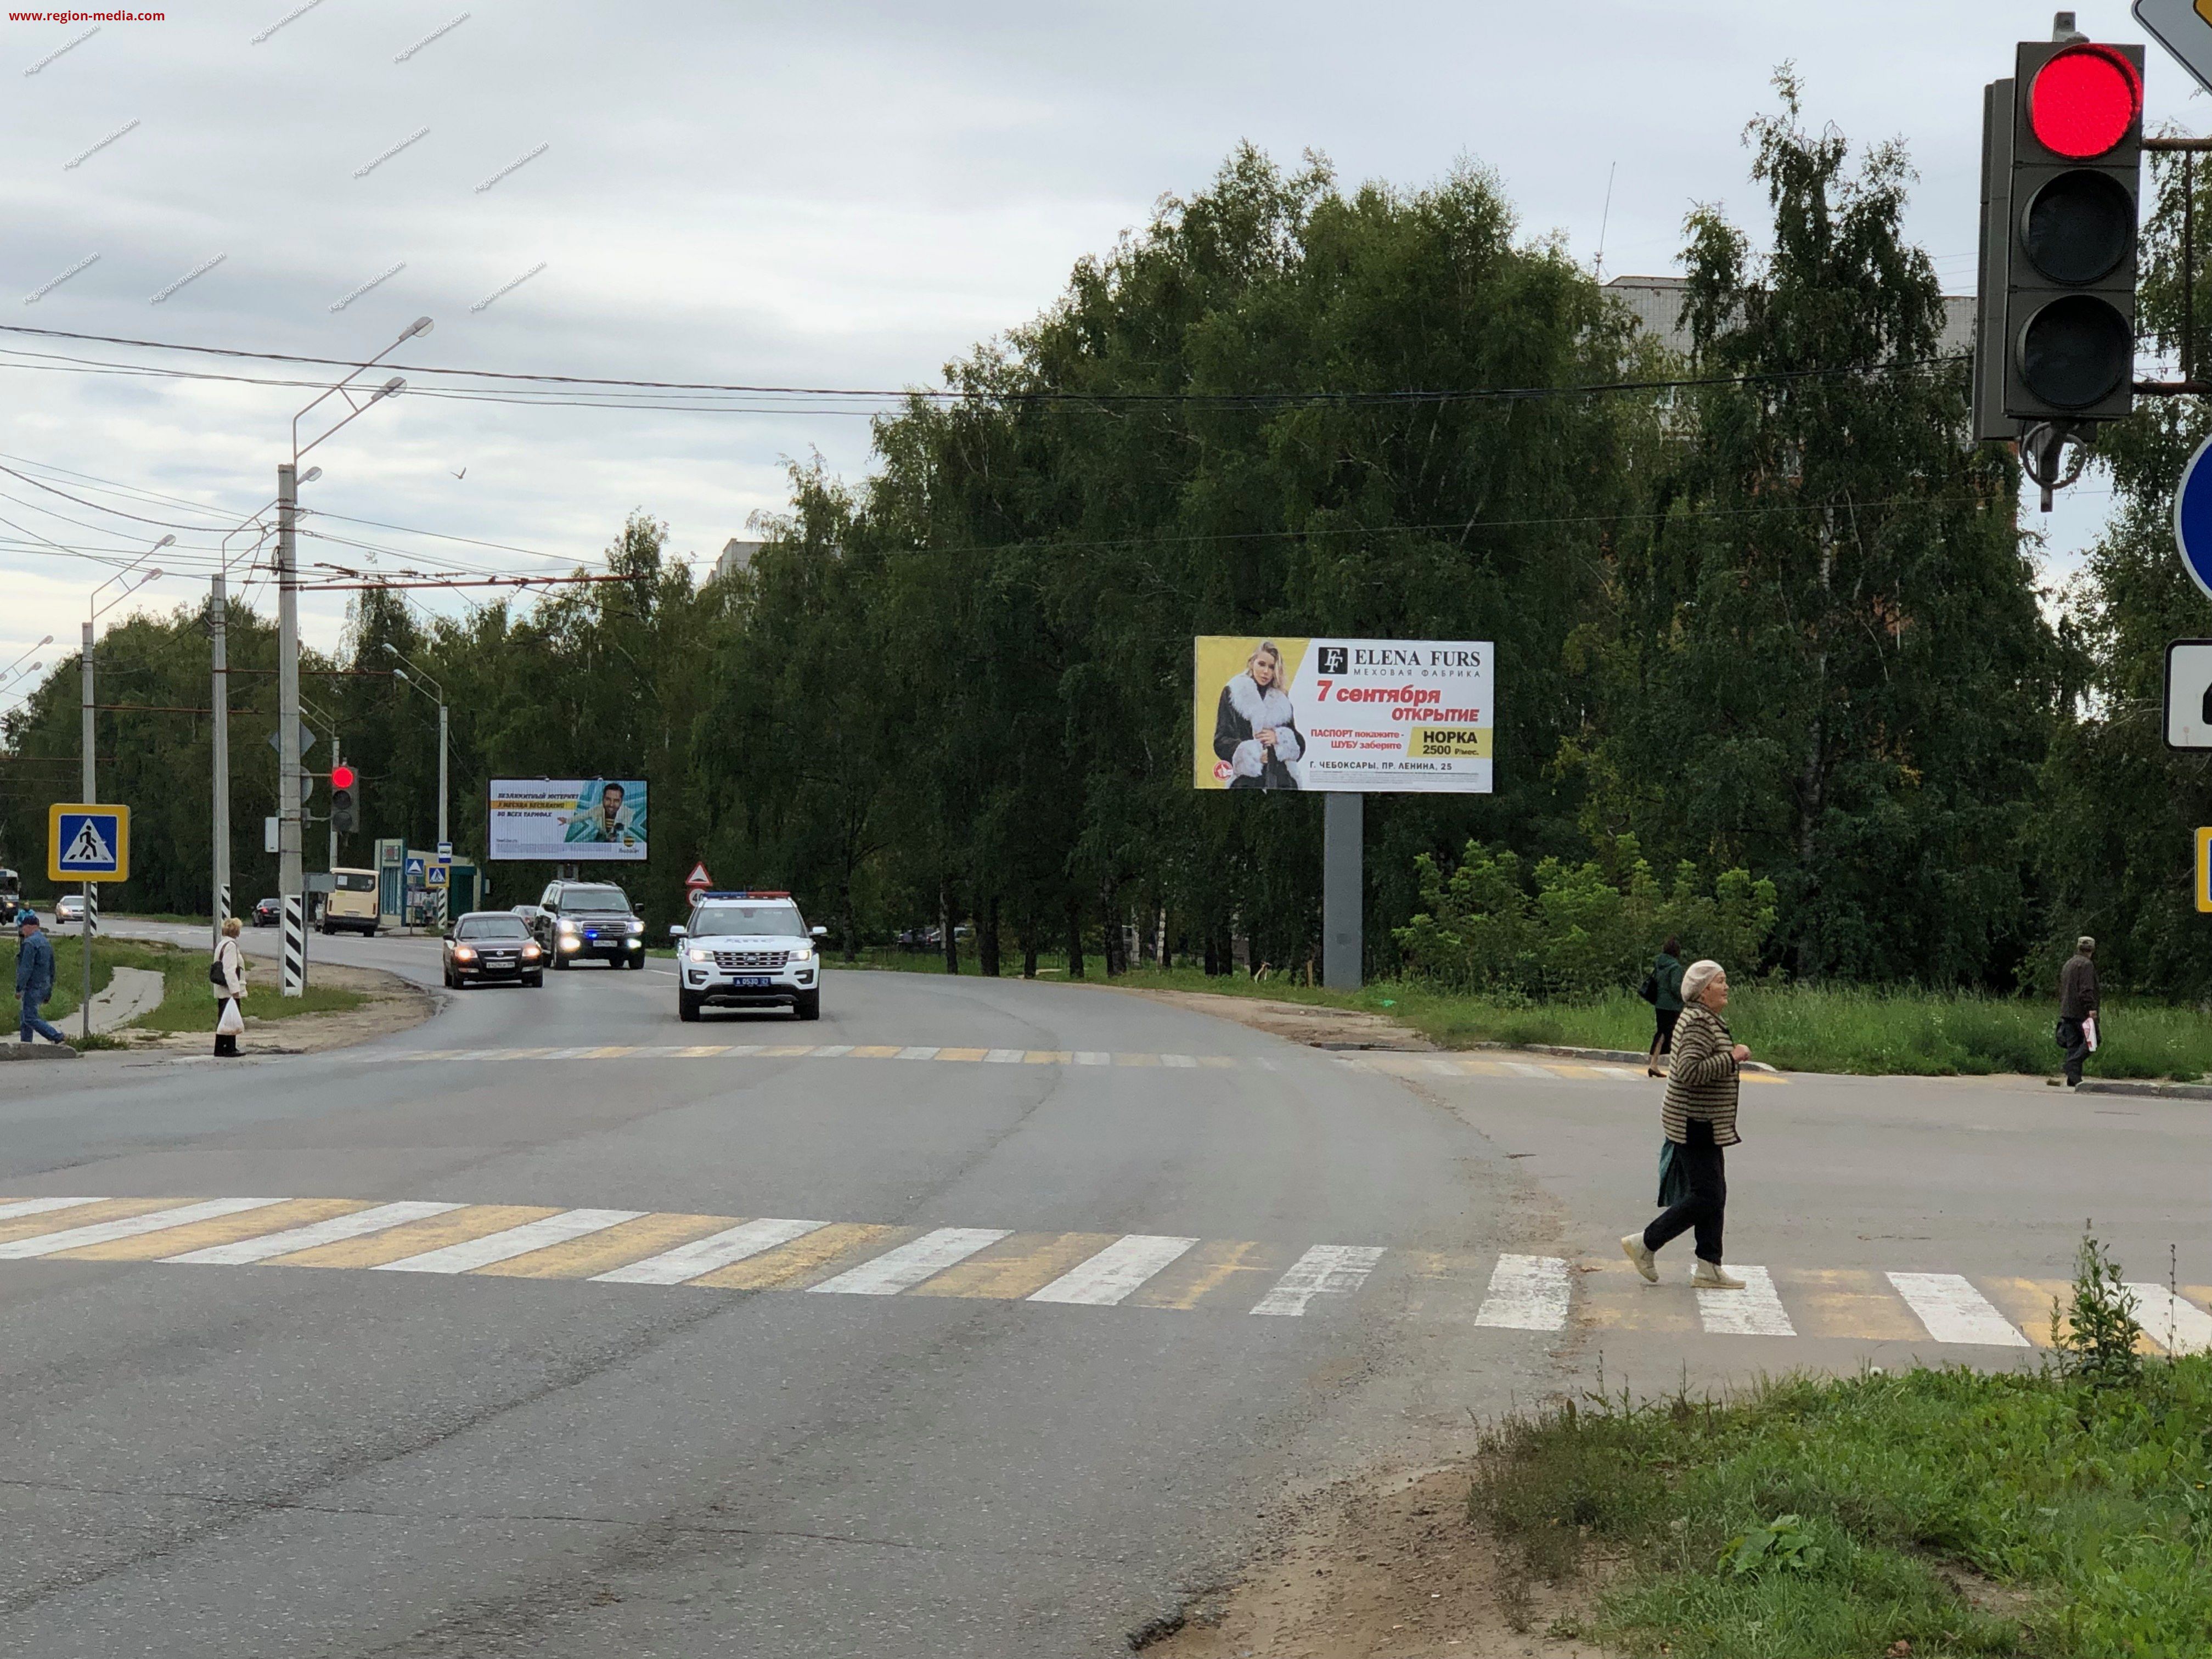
(753, 983)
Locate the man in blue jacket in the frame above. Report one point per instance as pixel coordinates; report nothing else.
(35, 975)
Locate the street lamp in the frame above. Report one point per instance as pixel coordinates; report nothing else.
(291, 875)
(430, 688)
(219, 651)
(49, 640)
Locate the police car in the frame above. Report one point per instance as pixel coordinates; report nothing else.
(748, 950)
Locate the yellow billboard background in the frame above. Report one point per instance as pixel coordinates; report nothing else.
(1220, 658)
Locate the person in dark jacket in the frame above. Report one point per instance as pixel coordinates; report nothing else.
(1698, 1117)
(2077, 1005)
(34, 976)
(1667, 1006)
(1255, 730)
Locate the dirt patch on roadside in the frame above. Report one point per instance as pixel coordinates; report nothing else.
(1301, 1022)
(1386, 1569)
(392, 1004)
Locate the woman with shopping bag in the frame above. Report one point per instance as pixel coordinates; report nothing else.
(226, 973)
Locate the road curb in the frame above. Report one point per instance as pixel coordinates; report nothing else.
(2158, 1091)
(38, 1051)
(1618, 1056)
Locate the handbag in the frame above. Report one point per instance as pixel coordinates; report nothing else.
(215, 975)
(1650, 989)
(1674, 1186)
(233, 1023)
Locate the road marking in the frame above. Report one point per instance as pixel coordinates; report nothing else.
(960, 1053)
(786, 1051)
(1440, 1068)
(1181, 1061)
(1093, 1057)
(789, 1266)
(358, 1224)
(1006, 1056)
(1754, 1310)
(1219, 1062)
(1044, 1057)
(1326, 1269)
(2177, 1325)
(1520, 1070)
(222, 1230)
(907, 1265)
(703, 1255)
(416, 1238)
(14, 1207)
(1952, 1310)
(916, 1053)
(833, 1051)
(1014, 1267)
(1527, 1293)
(152, 1221)
(1136, 1060)
(879, 1052)
(1116, 1272)
(509, 1242)
(1205, 1270)
(588, 1254)
(1850, 1303)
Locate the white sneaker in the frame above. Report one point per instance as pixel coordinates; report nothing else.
(1712, 1276)
(1641, 1260)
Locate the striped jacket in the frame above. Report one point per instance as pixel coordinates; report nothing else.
(1702, 1080)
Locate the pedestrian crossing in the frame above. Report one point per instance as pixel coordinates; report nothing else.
(1390, 1063)
(1513, 1292)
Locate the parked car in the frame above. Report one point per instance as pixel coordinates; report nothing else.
(269, 912)
(69, 908)
(486, 945)
(579, 919)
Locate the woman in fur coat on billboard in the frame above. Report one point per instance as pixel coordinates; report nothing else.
(1255, 729)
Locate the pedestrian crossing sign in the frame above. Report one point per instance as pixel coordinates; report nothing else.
(88, 843)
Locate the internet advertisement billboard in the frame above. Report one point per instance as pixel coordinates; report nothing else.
(568, 820)
(1363, 716)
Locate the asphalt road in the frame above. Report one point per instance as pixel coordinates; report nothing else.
(978, 1317)
(262, 1460)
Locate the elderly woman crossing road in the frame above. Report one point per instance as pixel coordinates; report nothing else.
(1699, 1120)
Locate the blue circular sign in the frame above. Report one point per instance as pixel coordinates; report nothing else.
(2192, 519)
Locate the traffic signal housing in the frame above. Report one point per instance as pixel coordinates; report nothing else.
(345, 800)
(2062, 186)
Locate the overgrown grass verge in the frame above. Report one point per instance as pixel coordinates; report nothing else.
(1956, 1512)
(1878, 1033)
(187, 998)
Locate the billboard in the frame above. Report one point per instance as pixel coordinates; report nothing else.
(1364, 716)
(568, 820)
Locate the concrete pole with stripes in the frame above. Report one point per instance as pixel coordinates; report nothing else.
(91, 795)
(291, 879)
(218, 634)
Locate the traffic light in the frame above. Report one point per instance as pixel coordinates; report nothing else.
(2062, 182)
(346, 800)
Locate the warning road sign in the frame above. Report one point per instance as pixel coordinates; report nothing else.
(698, 879)
(88, 843)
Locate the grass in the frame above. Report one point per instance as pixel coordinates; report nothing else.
(2078, 1520)
(187, 998)
(1818, 1028)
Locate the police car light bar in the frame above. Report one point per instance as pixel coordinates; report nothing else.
(702, 897)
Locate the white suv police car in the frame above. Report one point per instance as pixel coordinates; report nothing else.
(747, 950)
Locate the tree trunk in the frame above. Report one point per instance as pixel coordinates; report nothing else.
(1114, 952)
(1028, 958)
(1811, 782)
(1074, 939)
(947, 922)
(849, 925)
(1212, 961)
(987, 938)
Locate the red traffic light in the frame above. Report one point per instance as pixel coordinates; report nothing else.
(341, 777)
(2084, 101)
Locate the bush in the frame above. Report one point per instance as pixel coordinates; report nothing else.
(1576, 929)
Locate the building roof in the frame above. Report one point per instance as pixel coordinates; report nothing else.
(1656, 302)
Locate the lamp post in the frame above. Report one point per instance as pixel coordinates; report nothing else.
(291, 874)
(430, 687)
(219, 648)
(94, 609)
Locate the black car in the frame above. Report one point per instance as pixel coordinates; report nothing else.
(269, 912)
(491, 944)
(577, 920)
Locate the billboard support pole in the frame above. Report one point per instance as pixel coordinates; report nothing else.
(1343, 865)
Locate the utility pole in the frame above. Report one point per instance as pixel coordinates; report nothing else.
(218, 607)
(91, 795)
(291, 876)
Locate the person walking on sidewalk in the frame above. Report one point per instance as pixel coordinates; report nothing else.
(1698, 1117)
(2077, 1007)
(228, 973)
(1666, 986)
(34, 976)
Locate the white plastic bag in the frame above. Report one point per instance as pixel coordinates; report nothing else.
(233, 1023)
(2089, 1032)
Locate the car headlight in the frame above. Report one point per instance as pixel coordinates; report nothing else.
(463, 953)
(531, 953)
(637, 928)
(697, 955)
(802, 953)
(565, 926)
(570, 942)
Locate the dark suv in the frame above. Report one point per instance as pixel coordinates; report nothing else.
(579, 919)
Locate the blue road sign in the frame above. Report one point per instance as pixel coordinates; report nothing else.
(88, 843)
(2192, 518)
(414, 872)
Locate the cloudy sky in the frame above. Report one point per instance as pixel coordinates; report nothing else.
(838, 194)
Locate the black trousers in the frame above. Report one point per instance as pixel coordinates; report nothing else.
(1707, 1202)
(225, 1046)
(1663, 1040)
(2076, 1041)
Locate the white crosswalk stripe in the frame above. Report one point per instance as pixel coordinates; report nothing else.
(917, 1053)
(14, 1207)
(704, 1255)
(1093, 1057)
(1180, 1061)
(1324, 1270)
(1116, 1272)
(1953, 1310)
(2177, 1325)
(1006, 1056)
(1527, 1293)
(106, 1232)
(359, 1224)
(903, 1268)
(509, 1242)
(1754, 1310)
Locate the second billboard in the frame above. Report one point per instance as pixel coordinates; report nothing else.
(1370, 716)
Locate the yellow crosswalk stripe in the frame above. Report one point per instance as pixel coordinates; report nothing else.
(1136, 1060)
(1045, 1056)
(2027, 1304)
(791, 1267)
(787, 1051)
(1016, 1265)
(961, 1054)
(223, 1230)
(611, 1247)
(1615, 1298)
(1219, 1062)
(413, 1238)
(84, 1215)
(1209, 1268)
(1848, 1303)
